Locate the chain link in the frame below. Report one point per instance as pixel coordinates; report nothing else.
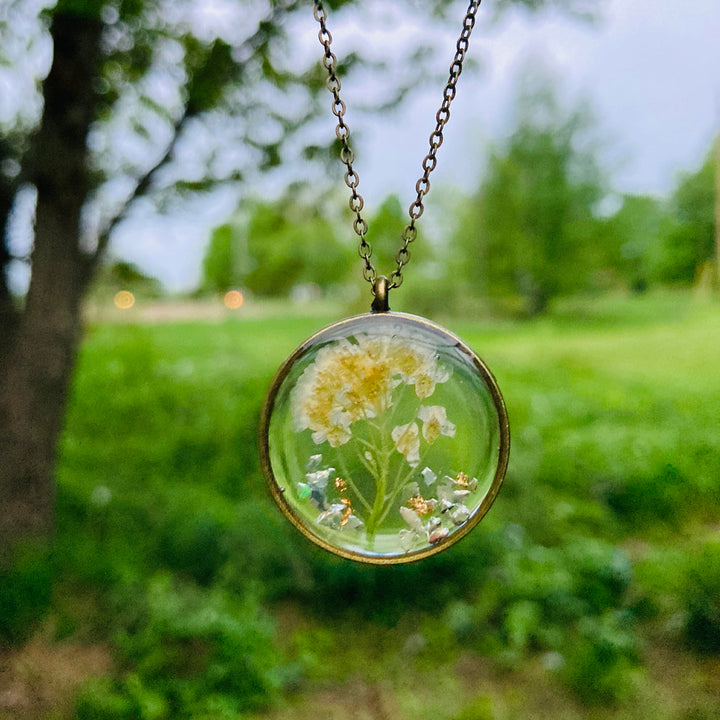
(342, 131)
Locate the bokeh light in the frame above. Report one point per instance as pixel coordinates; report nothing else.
(124, 300)
(233, 299)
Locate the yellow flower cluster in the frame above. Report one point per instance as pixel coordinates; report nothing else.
(354, 381)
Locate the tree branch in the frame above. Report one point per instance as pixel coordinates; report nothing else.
(247, 49)
(141, 189)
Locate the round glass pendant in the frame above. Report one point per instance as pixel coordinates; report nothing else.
(384, 438)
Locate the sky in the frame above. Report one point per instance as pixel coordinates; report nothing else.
(648, 69)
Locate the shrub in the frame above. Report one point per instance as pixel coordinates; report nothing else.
(480, 709)
(702, 602)
(106, 699)
(194, 653)
(651, 498)
(25, 592)
(599, 667)
(193, 544)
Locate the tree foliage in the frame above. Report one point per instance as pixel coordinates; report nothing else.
(219, 268)
(282, 245)
(631, 241)
(689, 241)
(651, 240)
(533, 221)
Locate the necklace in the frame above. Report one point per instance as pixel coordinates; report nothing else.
(384, 438)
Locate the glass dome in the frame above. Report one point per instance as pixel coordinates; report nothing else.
(384, 438)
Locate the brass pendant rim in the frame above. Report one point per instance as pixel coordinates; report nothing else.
(278, 493)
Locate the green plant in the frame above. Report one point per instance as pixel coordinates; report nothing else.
(702, 601)
(479, 709)
(192, 652)
(25, 591)
(600, 666)
(159, 471)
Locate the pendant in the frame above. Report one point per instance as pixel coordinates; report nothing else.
(384, 438)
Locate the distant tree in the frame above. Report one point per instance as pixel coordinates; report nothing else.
(116, 275)
(689, 240)
(428, 265)
(531, 229)
(160, 77)
(385, 228)
(220, 264)
(632, 240)
(286, 244)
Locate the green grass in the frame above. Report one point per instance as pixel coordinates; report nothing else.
(557, 605)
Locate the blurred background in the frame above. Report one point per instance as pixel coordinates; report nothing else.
(175, 222)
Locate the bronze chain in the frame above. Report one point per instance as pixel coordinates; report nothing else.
(347, 157)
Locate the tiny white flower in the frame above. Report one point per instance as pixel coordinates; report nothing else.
(424, 386)
(336, 436)
(435, 422)
(428, 376)
(407, 442)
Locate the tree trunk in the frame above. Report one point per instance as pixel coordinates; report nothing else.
(40, 355)
(8, 312)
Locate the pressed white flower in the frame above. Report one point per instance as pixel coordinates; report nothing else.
(336, 430)
(410, 362)
(424, 386)
(354, 380)
(336, 436)
(441, 373)
(430, 375)
(435, 422)
(407, 442)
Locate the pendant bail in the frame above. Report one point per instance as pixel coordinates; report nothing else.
(380, 290)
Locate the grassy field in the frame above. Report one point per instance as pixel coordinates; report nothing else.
(592, 589)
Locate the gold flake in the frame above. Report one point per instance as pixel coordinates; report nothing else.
(420, 505)
(462, 479)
